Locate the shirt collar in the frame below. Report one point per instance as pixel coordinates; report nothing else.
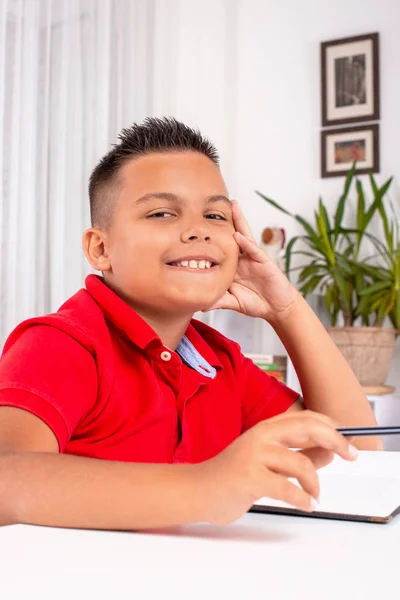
(120, 314)
(201, 345)
(192, 348)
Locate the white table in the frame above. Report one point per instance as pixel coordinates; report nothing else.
(258, 557)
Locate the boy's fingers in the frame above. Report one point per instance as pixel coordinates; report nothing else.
(280, 488)
(305, 414)
(250, 247)
(298, 432)
(227, 301)
(320, 457)
(239, 221)
(293, 464)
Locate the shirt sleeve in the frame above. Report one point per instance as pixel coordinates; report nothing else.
(263, 395)
(49, 374)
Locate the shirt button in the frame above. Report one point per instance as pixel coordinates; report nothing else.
(165, 355)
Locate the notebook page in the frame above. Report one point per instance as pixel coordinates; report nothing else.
(370, 463)
(369, 486)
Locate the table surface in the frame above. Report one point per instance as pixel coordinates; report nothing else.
(259, 556)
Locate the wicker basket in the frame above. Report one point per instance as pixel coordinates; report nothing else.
(368, 350)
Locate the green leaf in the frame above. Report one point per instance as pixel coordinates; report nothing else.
(383, 310)
(273, 203)
(391, 304)
(342, 202)
(371, 289)
(328, 298)
(345, 265)
(338, 217)
(323, 212)
(397, 312)
(335, 305)
(359, 281)
(363, 307)
(308, 228)
(311, 269)
(360, 205)
(382, 191)
(345, 292)
(381, 248)
(304, 252)
(310, 285)
(375, 304)
(323, 225)
(349, 178)
(375, 272)
(349, 250)
(379, 193)
(300, 267)
(315, 241)
(361, 223)
(288, 255)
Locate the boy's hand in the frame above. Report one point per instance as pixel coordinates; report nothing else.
(259, 289)
(259, 464)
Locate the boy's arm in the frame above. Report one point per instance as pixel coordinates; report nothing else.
(71, 491)
(40, 486)
(51, 489)
(328, 384)
(261, 290)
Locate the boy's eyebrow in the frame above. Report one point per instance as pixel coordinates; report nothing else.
(219, 198)
(157, 196)
(173, 198)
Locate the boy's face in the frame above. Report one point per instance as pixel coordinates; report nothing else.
(170, 246)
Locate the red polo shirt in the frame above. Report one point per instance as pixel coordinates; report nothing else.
(103, 381)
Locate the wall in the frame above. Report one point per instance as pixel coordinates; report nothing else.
(245, 71)
(278, 104)
(277, 108)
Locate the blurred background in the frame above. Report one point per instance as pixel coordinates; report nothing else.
(73, 73)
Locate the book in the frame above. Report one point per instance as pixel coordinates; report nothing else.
(263, 359)
(367, 489)
(275, 366)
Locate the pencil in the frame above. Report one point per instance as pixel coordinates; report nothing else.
(361, 431)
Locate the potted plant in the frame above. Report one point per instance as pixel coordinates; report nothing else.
(357, 272)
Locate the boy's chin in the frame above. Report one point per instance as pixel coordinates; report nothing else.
(196, 304)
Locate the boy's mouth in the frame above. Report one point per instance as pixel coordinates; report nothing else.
(194, 264)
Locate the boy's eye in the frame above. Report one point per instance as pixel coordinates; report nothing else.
(216, 217)
(162, 214)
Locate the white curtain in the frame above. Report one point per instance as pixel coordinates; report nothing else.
(72, 74)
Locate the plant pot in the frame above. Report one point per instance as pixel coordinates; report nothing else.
(368, 350)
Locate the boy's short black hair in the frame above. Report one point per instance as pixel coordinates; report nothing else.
(153, 135)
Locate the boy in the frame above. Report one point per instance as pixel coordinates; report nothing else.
(120, 411)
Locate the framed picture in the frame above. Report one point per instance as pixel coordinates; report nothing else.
(341, 147)
(350, 80)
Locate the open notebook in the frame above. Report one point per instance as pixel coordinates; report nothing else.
(367, 489)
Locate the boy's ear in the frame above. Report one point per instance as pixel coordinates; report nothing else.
(94, 242)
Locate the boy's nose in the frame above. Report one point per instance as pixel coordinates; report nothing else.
(196, 232)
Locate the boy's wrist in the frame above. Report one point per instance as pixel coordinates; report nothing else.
(290, 314)
(9, 492)
(199, 483)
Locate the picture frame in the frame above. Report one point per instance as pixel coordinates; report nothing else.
(350, 80)
(341, 147)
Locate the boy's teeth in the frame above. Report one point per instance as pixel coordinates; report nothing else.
(194, 264)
